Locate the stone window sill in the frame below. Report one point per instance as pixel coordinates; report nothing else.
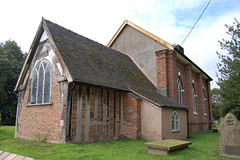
(195, 113)
(40, 104)
(205, 114)
(175, 131)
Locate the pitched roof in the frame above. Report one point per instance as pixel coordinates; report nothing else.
(126, 22)
(89, 62)
(94, 63)
(180, 56)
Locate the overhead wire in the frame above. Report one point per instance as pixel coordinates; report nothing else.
(196, 22)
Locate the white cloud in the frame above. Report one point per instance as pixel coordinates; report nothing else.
(170, 20)
(161, 19)
(202, 45)
(97, 20)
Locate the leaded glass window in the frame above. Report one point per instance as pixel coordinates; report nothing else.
(41, 83)
(175, 121)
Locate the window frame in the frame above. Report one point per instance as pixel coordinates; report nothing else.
(204, 103)
(175, 122)
(179, 90)
(194, 100)
(47, 69)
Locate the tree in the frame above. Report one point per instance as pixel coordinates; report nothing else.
(215, 92)
(11, 61)
(229, 72)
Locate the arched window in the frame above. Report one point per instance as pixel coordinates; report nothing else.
(204, 103)
(41, 83)
(175, 121)
(194, 100)
(179, 90)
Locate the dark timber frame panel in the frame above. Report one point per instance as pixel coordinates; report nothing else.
(96, 114)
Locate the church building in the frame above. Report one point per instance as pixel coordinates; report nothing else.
(73, 89)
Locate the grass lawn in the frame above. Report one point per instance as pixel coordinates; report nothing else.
(205, 146)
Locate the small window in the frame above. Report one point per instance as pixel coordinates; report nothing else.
(179, 90)
(41, 83)
(175, 121)
(194, 100)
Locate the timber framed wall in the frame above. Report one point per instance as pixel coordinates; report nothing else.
(96, 114)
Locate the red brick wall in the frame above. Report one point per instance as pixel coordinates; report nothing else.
(42, 119)
(169, 68)
(104, 123)
(166, 72)
(161, 62)
(131, 117)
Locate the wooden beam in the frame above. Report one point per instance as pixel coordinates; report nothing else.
(114, 114)
(139, 119)
(79, 114)
(101, 117)
(98, 123)
(95, 113)
(68, 112)
(107, 113)
(121, 106)
(64, 107)
(120, 111)
(87, 115)
(21, 94)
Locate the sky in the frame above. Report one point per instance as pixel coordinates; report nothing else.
(170, 20)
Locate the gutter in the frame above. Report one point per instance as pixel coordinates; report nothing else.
(70, 112)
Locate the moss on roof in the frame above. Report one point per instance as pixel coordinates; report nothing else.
(93, 63)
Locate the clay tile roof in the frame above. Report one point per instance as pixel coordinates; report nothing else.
(93, 63)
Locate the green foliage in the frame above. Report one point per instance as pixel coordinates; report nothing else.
(0, 119)
(204, 146)
(11, 61)
(229, 72)
(215, 92)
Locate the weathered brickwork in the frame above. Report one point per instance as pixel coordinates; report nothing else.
(131, 117)
(40, 119)
(169, 69)
(96, 114)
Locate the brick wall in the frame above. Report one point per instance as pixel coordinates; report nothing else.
(169, 69)
(131, 117)
(166, 72)
(98, 114)
(42, 119)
